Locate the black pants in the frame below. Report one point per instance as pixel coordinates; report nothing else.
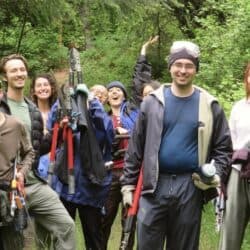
(90, 218)
(172, 213)
(112, 203)
(9, 239)
(1, 242)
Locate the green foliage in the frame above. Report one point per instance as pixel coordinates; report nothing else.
(49, 54)
(113, 53)
(33, 29)
(37, 12)
(104, 62)
(109, 35)
(225, 51)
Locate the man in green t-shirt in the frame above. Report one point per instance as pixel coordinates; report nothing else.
(49, 213)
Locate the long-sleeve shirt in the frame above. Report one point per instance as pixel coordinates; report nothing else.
(239, 124)
(14, 142)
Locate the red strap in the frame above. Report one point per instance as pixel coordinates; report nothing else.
(133, 209)
(54, 142)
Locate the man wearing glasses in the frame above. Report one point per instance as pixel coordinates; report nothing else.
(180, 128)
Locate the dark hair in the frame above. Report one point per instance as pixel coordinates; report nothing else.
(53, 84)
(5, 59)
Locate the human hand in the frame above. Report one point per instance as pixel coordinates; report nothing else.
(64, 121)
(215, 182)
(151, 41)
(121, 131)
(127, 195)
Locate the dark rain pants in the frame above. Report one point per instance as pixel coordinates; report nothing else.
(172, 213)
(90, 218)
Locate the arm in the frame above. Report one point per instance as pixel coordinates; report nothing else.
(27, 154)
(220, 153)
(232, 125)
(151, 41)
(142, 72)
(134, 154)
(221, 144)
(101, 120)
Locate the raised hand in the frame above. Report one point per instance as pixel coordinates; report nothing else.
(152, 40)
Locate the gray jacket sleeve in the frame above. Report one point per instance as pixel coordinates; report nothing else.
(142, 74)
(134, 154)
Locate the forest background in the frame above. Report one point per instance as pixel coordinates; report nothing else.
(109, 35)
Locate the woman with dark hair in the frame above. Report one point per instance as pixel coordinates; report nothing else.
(43, 92)
(238, 188)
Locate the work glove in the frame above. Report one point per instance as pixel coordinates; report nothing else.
(82, 88)
(127, 195)
(215, 182)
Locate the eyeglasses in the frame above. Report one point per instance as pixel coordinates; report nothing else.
(187, 66)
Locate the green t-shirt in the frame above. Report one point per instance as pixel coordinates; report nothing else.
(21, 111)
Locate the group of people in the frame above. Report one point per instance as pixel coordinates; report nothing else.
(168, 130)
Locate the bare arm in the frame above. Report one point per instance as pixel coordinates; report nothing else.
(151, 41)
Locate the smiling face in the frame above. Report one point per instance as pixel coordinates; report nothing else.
(183, 72)
(115, 97)
(15, 73)
(42, 88)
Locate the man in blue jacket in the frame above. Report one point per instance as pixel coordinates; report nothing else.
(180, 127)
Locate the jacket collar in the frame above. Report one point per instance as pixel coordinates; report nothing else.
(159, 93)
